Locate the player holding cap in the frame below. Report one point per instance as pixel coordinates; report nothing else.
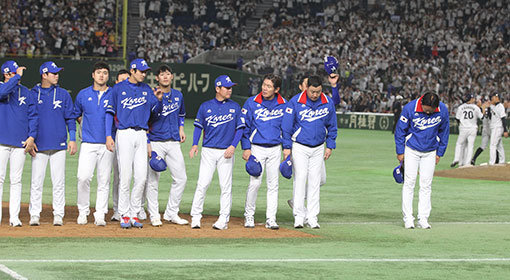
(223, 126)
(133, 102)
(90, 105)
(308, 122)
(166, 135)
(18, 123)
(423, 121)
(263, 114)
(467, 115)
(498, 129)
(55, 109)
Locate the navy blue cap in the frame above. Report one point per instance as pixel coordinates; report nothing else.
(468, 97)
(157, 163)
(139, 64)
(330, 64)
(49, 67)
(9, 67)
(253, 166)
(286, 168)
(224, 81)
(398, 173)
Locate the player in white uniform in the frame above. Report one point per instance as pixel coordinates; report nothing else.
(467, 116)
(486, 130)
(90, 106)
(421, 138)
(498, 129)
(18, 126)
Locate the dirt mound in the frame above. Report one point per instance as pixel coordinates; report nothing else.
(71, 229)
(480, 172)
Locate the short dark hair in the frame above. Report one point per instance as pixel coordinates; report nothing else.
(314, 81)
(100, 65)
(302, 79)
(163, 68)
(277, 81)
(121, 72)
(430, 99)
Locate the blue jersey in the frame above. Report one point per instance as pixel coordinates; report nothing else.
(308, 122)
(91, 104)
(165, 126)
(132, 104)
(55, 109)
(421, 131)
(18, 113)
(263, 121)
(219, 120)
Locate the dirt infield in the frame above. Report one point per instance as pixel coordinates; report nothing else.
(486, 172)
(71, 229)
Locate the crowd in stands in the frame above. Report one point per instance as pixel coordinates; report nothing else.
(40, 28)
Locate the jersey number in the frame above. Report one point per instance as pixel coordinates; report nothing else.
(468, 115)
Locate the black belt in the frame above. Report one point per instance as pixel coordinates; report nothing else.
(266, 145)
(310, 146)
(137, 128)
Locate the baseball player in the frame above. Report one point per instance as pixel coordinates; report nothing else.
(18, 123)
(421, 138)
(498, 129)
(263, 114)
(132, 102)
(220, 119)
(486, 132)
(55, 109)
(121, 76)
(90, 105)
(166, 135)
(308, 122)
(467, 115)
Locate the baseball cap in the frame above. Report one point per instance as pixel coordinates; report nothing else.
(398, 173)
(494, 94)
(9, 67)
(286, 168)
(468, 97)
(253, 166)
(157, 163)
(49, 67)
(224, 81)
(330, 64)
(139, 64)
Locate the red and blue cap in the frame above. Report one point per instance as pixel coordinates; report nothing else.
(9, 66)
(253, 166)
(224, 81)
(139, 64)
(49, 67)
(330, 64)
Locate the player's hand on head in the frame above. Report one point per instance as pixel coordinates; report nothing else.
(20, 70)
(246, 154)
(229, 152)
(327, 153)
(72, 148)
(193, 152)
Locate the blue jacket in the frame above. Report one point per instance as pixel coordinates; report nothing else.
(55, 109)
(219, 120)
(309, 122)
(92, 107)
(18, 113)
(420, 131)
(165, 126)
(263, 120)
(132, 104)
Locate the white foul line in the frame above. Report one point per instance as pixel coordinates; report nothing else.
(397, 223)
(344, 260)
(11, 272)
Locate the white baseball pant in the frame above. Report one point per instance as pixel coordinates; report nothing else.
(307, 163)
(171, 152)
(132, 159)
(16, 156)
(486, 134)
(496, 145)
(464, 146)
(94, 156)
(115, 185)
(425, 162)
(269, 158)
(211, 159)
(57, 160)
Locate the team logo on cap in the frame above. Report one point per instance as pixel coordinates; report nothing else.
(133, 66)
(6, 70)
(218, 83)
(143, 63)
(228, 79)
(45, 69)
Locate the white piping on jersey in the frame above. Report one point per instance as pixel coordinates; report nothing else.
(409, 136)
(295, 135)
(253, 135)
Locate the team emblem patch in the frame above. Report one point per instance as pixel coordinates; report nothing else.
(144, 93)
(288, 110)
(403, 119)
(176, 99)
(232, 110)
(244, 111)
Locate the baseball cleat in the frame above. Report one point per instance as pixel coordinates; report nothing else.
(82, 219)
(271, 224)
(195, 223)
(312, 223)
(15, 223)
(125, 222)
(291, 203)
(99, 219)
(423, 223)
(454, 164)
(57, 221)
(135, 222)
(220, 225)
(176, 220)
(115, 217)
(156, 222)
(34, 221)
(249, 222)
(298, 222)
(409, 224)
(142, 215)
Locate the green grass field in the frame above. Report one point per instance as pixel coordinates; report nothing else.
(362, 235)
